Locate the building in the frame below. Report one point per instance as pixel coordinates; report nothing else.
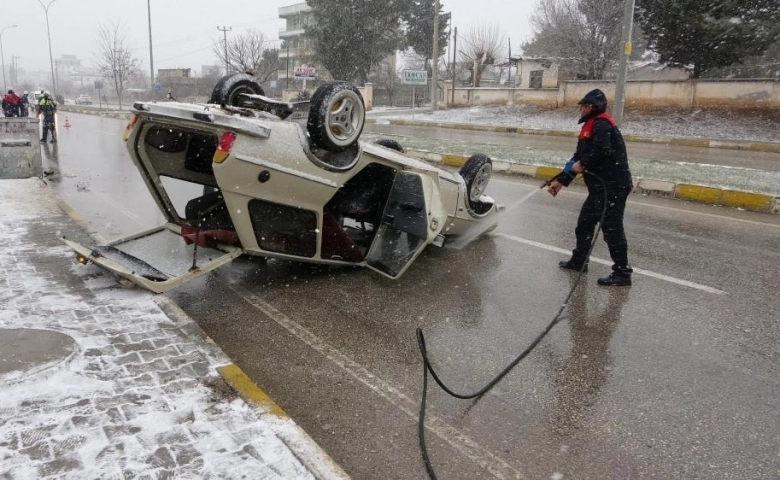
(295, 50)
(164, 73)
(73, 77)
(211, 70)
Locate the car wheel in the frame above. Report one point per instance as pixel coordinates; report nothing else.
(336, 116)
(391, 144)
(476, 172)
(228, 89)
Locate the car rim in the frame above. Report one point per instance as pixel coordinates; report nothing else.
(343, 120)
(480, 182)
(236, 95)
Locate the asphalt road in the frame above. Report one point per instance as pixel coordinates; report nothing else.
(675, 377)
(768, 161)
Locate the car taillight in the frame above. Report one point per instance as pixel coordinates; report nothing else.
(223, 149)
(129, 127)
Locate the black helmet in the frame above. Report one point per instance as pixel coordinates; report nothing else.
(10, 92)
(596, 98)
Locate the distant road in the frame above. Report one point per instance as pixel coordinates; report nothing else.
(652, 151)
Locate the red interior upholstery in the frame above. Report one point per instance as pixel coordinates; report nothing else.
(336, 243)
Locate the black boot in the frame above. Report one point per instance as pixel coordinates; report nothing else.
(574, 264)
(620, 277)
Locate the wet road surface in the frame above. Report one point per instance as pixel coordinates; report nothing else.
(675, 377)
(768, 161)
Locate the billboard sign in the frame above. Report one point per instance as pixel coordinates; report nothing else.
(305, 73)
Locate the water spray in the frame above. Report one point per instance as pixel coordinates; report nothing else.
(463, 240)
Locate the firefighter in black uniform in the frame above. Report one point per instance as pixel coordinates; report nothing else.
(601, 154)
(47, 107)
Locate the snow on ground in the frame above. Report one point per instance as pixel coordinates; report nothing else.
(716, 123)
(747, 125)
(137, 399)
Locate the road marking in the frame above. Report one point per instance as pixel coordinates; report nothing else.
(640, 271)
(712, 215)
(458, 440)
(662, 207)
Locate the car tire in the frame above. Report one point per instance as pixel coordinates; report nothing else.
(476, 172)
(228, 89)
(336, 116)
(391, 144)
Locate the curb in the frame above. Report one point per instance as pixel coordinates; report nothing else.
(120, 114)
(303, 447)
(772, 147)
(755, 202)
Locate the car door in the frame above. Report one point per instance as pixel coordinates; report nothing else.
(404, 229)
(157, 259)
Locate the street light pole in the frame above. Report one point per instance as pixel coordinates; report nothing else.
(48, 34)
(2, 56)
(151, 54)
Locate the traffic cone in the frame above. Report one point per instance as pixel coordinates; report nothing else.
(67, 123)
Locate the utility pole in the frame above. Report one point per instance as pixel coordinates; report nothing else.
(435, 59)
(454, 64)
(509, 62)
(620, 84)
(224, 31)
(151, 54)
(15, 65)
(2, 56)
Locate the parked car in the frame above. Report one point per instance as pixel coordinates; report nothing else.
(246, 174)
(84, 100)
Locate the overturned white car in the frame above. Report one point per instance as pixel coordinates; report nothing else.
(246, 174)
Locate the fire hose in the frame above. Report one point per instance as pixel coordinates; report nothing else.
(428, 368)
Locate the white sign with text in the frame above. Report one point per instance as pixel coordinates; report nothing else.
(415, 77)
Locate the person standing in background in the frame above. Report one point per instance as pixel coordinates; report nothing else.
(48, 108)
(11, 104)
(24, 105)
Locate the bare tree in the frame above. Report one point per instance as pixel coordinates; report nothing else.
(387, 80)
(482, 47)
(250, 51)
(115, 61)
(584, 34)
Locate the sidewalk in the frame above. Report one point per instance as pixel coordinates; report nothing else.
(102, 382)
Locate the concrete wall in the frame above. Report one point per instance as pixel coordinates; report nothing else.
(20, 151)
(497, 96)
(682, 93)
(735, 93)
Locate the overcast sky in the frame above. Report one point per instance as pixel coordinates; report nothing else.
(183, 30)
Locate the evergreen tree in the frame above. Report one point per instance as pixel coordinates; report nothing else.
(708, 33)
(419, 32)
(349, 36)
